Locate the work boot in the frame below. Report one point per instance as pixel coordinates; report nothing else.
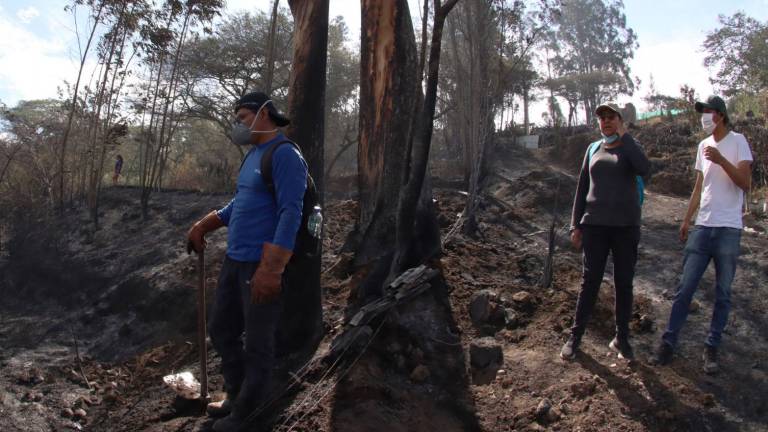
(568, 352)
(622, 346)
(230, 423)
(663, 355)
(710, 360)
(221, 408)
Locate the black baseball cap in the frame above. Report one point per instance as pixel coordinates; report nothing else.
(254, 101)
(713, 102)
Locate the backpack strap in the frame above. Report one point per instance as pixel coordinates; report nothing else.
(266, 166)
(593, 148)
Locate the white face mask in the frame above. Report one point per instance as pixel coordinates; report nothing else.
(241, 134)
(708, 123)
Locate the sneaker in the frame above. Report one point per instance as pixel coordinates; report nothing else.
(568, 352)
(219, 409)
(663, 355)
(622, 346)
(710, 360)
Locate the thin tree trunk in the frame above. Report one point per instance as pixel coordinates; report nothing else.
(70, 116)
(96, 169)
(526, 119)
(348, 142)
(271, 49)
(162, 140)
(9, 159)
(423, 51)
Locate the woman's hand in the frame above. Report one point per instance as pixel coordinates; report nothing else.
(576, 238)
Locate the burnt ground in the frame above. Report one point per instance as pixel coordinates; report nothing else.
(125, 296)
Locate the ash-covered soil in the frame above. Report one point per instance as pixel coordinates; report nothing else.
(124, 295)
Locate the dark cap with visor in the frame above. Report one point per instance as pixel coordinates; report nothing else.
(255, 100)
(713, 102)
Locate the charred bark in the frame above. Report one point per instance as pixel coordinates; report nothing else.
(306, 97)
(301, 326)
(388, 73)
(415, 185)
(395, 132)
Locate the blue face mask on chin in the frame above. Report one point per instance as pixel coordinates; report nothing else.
(609, 139)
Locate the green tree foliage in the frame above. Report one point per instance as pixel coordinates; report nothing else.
(28, 153)
(738, 49)
(592, 47)
(232, 61)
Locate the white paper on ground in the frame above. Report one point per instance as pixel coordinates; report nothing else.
(184, 384)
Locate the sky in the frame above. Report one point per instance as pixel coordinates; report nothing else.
(38, 47)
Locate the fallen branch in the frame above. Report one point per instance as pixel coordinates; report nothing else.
(80, 360)
(454, 229)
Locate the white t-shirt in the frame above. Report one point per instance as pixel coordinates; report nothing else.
(721, 199)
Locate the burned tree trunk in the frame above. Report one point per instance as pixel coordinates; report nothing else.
(394, 140)
(408, 219)
(301, 326)
(306, 96)
(397, 218)
(388, 92)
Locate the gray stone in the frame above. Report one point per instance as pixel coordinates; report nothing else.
(524, 300)
(694, 307)
(511, 319)
(486, 358)
(79, 413)
(481, 306)
(542, 410)
(420, 373)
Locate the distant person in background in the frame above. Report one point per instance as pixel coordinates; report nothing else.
(606, 218)
(118, 169)
(723, 174)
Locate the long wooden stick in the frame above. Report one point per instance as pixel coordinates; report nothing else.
(201, 344)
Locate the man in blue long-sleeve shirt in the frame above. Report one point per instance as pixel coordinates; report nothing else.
(262, 227)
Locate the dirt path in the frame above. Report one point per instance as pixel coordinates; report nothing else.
(599, 392)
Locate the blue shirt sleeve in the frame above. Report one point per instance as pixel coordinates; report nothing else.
(289, 174)
(226, 212)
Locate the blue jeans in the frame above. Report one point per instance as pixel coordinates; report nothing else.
(722, 245)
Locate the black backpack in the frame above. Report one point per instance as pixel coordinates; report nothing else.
(307, 246)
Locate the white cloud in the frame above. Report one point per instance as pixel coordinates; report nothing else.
(673, 63)
(28, 14)
(33, 67)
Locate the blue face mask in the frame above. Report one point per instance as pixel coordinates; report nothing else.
(609, 139)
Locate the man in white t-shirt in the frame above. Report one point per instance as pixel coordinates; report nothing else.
(723, 174)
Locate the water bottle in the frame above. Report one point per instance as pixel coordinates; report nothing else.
(315, 222)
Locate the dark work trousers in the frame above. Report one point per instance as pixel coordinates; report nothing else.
(598, 241)
(245, 364)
